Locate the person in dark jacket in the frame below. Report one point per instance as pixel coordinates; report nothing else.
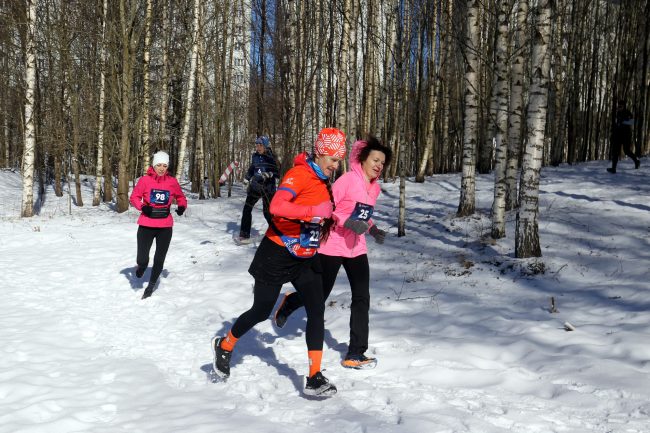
(261, 176)
(622, 136)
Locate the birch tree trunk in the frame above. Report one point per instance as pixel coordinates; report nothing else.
(27, 208)
(164, 81)
(200, 136)
(500, 96)
(516, 107)
(75, 114)
(467, 202)
(344, 70)
(527, 235)
(146, 142)
(102, 100)
(189, 102)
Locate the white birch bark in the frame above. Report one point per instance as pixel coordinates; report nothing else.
(200, 144)
(467, 202)
(146, 111)
(100, 124)
(164, 88)
(189, 101)
(343, 70)
(527, 235)
(27, 208)
(516, 107)
(500, 100)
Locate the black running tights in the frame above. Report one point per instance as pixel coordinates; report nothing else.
(146, 235)
(310, 287)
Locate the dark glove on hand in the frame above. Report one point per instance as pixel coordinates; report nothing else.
(357, 226)
(378, 234)
(180, 210)
(146, 209)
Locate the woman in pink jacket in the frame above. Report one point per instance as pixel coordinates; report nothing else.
(355, 194)
(153, 195)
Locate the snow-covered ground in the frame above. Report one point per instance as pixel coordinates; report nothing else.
(462, 330)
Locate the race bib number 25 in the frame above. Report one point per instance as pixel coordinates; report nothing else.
(362, 212)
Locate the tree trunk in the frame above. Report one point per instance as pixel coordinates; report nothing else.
(500, 95)
(128, 49)
(102, 100)
(467, 202)
(27, 208)
(527, 235)
(516, 108)
(146, 110)
(163, 139)
(189, 101)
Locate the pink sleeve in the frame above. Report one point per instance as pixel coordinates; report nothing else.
(282, 206)
(136, 194)
(181, 200)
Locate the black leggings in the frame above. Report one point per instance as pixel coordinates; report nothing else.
(310, 287)
(247, 214)
(146, 235)
(622, 138)
(358, 272)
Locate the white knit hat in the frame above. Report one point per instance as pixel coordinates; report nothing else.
(160, 158)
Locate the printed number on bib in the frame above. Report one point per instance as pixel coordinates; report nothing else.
(159, 196)
(362, 212)
(309, 235)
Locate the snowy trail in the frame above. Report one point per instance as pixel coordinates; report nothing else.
(461, 329)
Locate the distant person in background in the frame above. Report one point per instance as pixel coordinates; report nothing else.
(302, 211)
(260, 177)
(355, 194)
(622, 136)
(153, 196)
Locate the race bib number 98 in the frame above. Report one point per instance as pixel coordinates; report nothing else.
(159, 196)
(362, 212)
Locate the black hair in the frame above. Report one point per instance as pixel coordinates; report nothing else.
(374, 144)
(328, 223)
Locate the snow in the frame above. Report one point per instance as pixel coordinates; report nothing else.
(463, 331)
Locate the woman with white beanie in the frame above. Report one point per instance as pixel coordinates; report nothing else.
(153, 196)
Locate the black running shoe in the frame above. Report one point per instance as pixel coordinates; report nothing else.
(221, 363)
(285, 309)
(147, 292)
(612, 170)
(637, 163)
(319, 385)
(139, 272)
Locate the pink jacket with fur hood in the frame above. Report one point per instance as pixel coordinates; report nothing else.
(348, 190)
(158, 192)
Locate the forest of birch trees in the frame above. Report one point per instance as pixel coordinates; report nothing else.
(89, 89)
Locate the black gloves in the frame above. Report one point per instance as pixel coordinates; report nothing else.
(357, 226)
(180, 210)
(378, 234)
(146, 209)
